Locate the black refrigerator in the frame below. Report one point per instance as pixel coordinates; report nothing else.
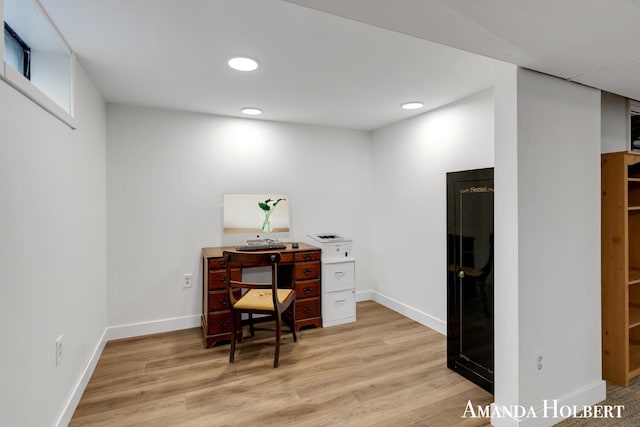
(470, 275)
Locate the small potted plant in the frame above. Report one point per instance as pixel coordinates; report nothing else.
(268, 206)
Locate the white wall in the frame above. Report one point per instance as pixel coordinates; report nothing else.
(559, 236)
(615, 123)
(505, 319)
(558, 245)
(167, 173)
(52, 251)
(411, 159)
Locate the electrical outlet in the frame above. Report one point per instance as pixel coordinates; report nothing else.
(539, 361)
(187, 280)
(59, 352)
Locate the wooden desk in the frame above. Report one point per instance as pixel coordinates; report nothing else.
(298, 269)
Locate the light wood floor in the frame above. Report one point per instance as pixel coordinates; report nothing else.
(383, 370)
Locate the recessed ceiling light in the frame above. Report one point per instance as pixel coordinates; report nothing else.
(243, 64)
(251, 111)
(413, 105)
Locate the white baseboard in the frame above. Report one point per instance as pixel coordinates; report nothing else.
(408, 311)
(364, 295)
(78, 389)
(152, 327)
(113, 333)
(587, 396)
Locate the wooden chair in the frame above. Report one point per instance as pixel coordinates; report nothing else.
(259, 298)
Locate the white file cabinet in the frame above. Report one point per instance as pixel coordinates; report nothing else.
(338, 292)
(338, 279)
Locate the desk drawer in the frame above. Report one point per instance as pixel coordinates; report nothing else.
(219, 264)
(308, 307)
(307, 270)
(216, 264)
(219, 300)
(307, 256)
(216, 278)
(307, 289)
(219, 322)
(286, 258)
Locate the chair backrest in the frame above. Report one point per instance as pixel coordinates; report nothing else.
(247, 260)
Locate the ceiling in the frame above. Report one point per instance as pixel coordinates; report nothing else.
(344, 63)
(315, 67)
(593, 42)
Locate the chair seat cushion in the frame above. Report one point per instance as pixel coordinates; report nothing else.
(260, 299)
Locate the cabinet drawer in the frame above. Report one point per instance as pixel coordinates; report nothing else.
(307, 270)
(338, 305)
(307, 289)
(216, 264)
(338, 276)
(219, 300)
(219, 322)
(286, 258)
(219, 264)
(216, 278)
(307, 256)
(309, 307)
(340, 250)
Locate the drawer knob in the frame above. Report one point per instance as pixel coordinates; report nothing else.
(340, 274)
(306, 271)
(307, 290)
(224, 301)
(307, 310)
(307, 257)
(225, 323)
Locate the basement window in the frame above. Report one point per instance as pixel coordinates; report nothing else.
(16, 52)
(37, 60)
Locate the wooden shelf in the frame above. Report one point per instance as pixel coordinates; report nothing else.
(634, 276)
(620, 184)
(634, 315)
(634, 358)
(634, 373)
